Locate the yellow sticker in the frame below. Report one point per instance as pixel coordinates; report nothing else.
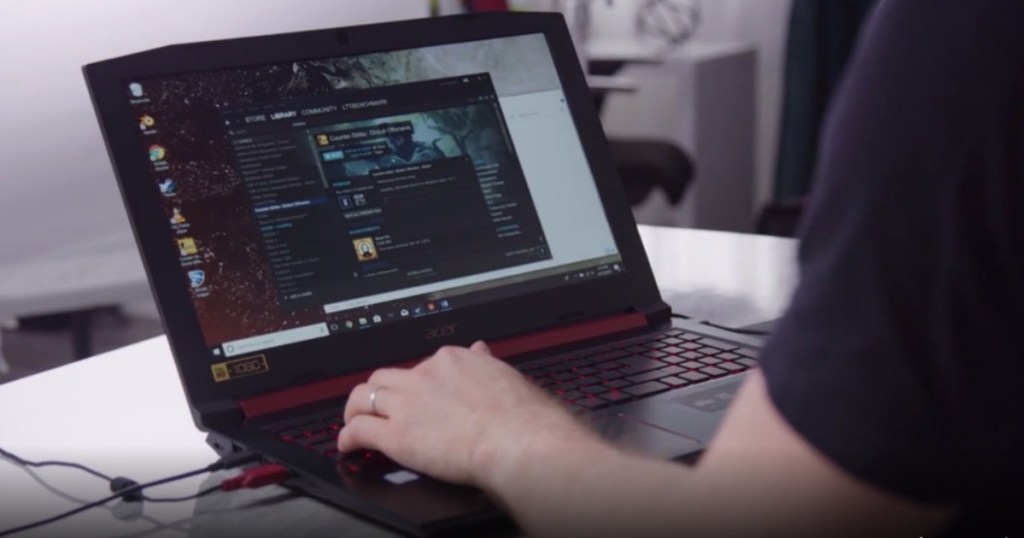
(225, 371)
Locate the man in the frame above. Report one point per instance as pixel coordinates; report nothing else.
(890, 400)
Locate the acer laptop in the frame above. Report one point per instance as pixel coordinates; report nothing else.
(313, 206)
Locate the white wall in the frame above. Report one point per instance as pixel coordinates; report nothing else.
(764, 23)
(56, 185)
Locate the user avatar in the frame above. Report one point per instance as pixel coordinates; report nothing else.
(323, 140)
(177, 217)
(366, 250)
(187, 246)
(157, 152)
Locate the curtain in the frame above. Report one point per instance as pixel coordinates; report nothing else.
(822, 37)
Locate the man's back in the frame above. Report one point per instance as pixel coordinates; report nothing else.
(900, 358)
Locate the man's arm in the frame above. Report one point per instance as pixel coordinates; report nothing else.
(466, 417)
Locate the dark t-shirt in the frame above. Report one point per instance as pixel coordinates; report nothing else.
(902, 356)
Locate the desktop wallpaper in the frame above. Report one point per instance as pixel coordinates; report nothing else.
(236, 298)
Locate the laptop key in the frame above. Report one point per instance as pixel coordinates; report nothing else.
(587, 370)
(587, 381)
(644, 389)
(732, 367)
(324, 446)
(609, 355)
(728, 356)
(617, 384)
(693, 377)
(641, 368)
(693, 365)
(616, 396)
(571, 395)
(672, 370)
(691, 346)
(655, 354)
(672, 341)
(724, 346)
(672, 360)
(711, 361)
(674, 381)
(712, 371)
(609, 375)
(646, 376)
(749, 363)
(594, 389)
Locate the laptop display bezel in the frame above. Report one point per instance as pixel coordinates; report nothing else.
(342, 354)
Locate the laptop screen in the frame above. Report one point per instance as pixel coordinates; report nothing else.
(333, 195)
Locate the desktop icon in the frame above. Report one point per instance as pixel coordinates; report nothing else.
(363, 321)
(404, 313)
(431, 307)
(444, 304)
(345, 201)
(136, 89)
(187, 246)
(366, 249)
(168, 187)
(197, 278)
(359, 199)
(146, 122)
(418, 310)
(377, 319)
(349, 324)
(157, 152)
(334, 327)
(216, 351)
(177, 217)
(323, 140)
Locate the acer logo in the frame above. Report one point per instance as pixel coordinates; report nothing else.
(440, 332)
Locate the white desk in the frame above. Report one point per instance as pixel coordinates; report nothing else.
(124, 412)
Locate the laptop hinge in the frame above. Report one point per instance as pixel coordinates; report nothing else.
(339, 387)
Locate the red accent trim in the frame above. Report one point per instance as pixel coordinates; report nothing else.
(567, 335)
(336, 387)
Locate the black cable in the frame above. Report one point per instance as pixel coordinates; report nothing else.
(104, 500)
(748, 332)
(26, 463)
(227, 462)
(202, 493)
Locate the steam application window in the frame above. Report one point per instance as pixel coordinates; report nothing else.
(378, 190)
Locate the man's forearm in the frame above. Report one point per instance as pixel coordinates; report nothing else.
(597, 489)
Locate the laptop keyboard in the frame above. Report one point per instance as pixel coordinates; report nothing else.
(612, 374)
(319, 433)
(626, 371)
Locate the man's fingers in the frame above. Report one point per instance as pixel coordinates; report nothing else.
(481, 347)
(388, 377)
(364, 432)
(360, 402)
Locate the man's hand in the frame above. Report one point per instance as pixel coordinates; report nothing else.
(460, 416)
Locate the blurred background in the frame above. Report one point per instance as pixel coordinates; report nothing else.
(712, 107)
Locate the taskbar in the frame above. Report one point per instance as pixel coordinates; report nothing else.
(446, 300)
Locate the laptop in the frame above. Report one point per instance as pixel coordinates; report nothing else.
(316, 205)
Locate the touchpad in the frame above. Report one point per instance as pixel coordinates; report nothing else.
(638, 436)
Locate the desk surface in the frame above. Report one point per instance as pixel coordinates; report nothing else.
(124, 412)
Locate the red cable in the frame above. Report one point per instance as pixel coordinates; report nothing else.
(257, 477)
